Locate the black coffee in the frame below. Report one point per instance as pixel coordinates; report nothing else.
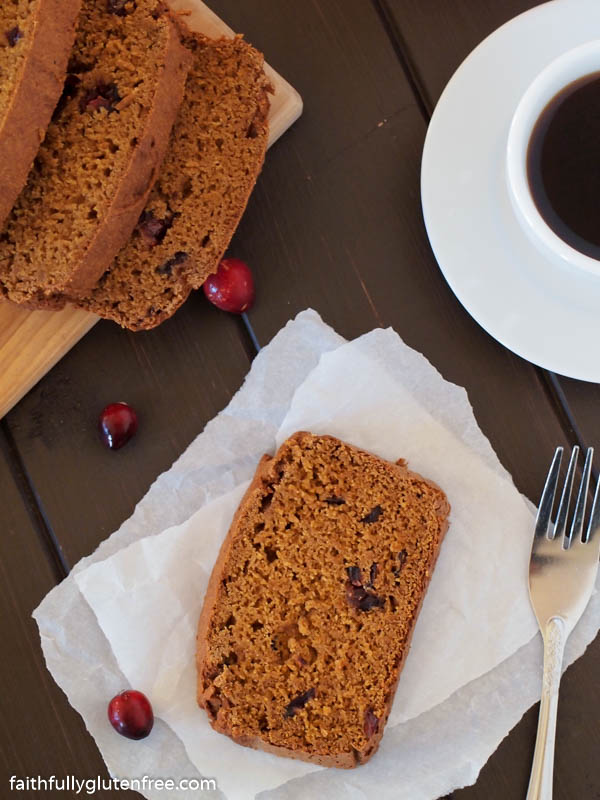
(563, 164)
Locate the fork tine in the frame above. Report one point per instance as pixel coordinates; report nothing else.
(565, 498)
(547, 499)
(594, 523)
(577, 524)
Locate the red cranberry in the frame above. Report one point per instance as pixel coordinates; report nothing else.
(130, 714)
(231, 287)
(118, 423)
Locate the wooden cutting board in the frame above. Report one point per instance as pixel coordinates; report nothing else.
(31, 342)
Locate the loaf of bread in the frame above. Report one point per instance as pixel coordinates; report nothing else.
(312, 602)
(215, 154)
(102, 152)
(35, 41)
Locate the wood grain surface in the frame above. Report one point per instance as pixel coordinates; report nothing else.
(32, 342)
(335, 223)
(40, 734)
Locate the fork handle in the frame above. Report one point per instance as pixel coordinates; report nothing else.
(540, 782)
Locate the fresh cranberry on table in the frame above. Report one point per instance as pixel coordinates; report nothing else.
(130, 714)
(231, 287)
(118, 423)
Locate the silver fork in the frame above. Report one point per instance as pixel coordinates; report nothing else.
(562, 573)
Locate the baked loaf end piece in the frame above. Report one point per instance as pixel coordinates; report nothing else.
(216, 151)
(312, 602)
(35, 40)
(101, 154)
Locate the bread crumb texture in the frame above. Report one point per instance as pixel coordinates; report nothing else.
(108, 94)
(323, 575)
(215, 154)
(17, 18)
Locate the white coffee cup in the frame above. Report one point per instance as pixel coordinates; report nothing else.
(561, 72)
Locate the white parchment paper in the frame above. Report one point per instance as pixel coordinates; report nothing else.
(441, 745)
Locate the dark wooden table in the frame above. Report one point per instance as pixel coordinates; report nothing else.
(335, 223)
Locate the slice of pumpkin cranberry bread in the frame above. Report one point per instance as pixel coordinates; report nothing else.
(215, 154)
(101, 154)
(35, 41)
(313, 600)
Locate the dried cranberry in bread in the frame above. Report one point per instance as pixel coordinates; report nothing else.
(101, 153)
(35, 41)
(312, 602)
(216, 151)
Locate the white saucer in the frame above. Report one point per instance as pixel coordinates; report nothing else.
(536, 308)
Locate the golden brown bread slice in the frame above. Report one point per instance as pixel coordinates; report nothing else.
(35, 41)
(313, 600)
(215, 154)
(101, 153)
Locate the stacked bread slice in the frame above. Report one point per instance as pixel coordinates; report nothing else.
(35, 40)
(217, 148)
(101, 153)
(104, 222)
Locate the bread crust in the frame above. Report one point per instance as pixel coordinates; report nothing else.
(265, 473)
(35, 96)
(138, 180)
